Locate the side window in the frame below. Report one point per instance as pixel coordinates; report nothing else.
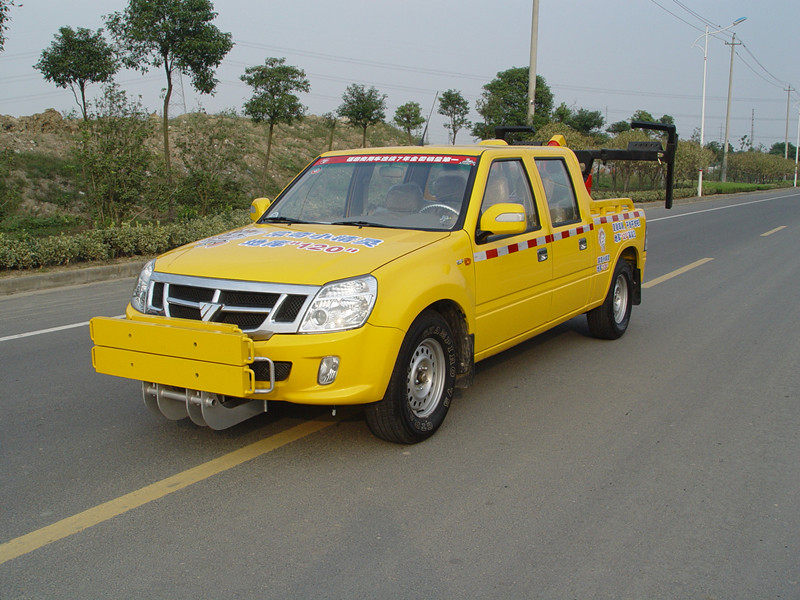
(507, 182)
(558, 191)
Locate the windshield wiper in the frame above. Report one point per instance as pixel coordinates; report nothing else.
(360, 224)
(279, 219)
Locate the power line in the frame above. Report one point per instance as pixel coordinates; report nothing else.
(696, 15)
(665, 9)
(780, 83)
(359, 61)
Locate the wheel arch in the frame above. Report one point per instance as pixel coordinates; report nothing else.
(633, 257)
(464, 340)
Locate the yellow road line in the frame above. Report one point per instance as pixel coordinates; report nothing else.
(771, 231)
(677, 272)
(108, 510)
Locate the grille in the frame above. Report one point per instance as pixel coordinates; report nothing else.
(282, 370)
(191, 294)
(252, 299)
(290, 308)
(252, 307)
(184, 312)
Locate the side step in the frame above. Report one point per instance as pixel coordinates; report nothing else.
(203, 408)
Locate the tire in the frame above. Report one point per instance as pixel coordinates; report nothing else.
(610, 320)
(422, 384)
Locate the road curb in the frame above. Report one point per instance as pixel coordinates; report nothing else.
(43, 281)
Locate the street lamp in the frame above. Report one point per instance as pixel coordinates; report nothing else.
(703, 110)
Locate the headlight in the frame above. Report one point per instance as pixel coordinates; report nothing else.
(341, 305)
(139, 298)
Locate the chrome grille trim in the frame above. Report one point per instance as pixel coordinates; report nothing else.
(175, 288)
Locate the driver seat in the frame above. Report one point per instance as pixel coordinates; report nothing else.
(404, 198)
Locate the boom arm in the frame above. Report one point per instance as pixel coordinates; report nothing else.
(645, 151)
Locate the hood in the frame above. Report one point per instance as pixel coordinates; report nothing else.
(295, 254)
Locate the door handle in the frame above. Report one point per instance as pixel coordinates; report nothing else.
(582, 245)
(542, 254)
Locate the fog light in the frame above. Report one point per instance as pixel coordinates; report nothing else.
(328, 369)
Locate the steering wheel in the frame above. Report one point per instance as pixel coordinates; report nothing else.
(437, 205)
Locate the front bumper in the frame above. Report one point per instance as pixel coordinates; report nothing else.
(219, 358)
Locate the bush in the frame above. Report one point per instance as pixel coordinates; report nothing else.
(23, 251)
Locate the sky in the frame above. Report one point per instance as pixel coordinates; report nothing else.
(614, 56)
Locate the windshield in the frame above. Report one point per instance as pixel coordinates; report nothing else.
(405, 191)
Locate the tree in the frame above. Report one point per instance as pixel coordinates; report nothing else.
(779, 149)
(330, 122)
(362, 107)
(176, 35)
(562, 113)
(212, 150)
(5, 5)
(642, 115)
(586, 121)
(76, 59)
(505, 102)
(453, 106)
(689, 159)
(408, 117)
(114, 155)
(274, 101)
(619, 127)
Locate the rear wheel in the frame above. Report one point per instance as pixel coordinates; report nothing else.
(610, 320)
(422, 384)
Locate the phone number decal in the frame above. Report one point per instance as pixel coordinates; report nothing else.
(299, 245)
(298, 240)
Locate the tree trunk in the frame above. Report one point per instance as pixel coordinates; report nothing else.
(330, 137)
(165, 129)
(266, 160)
(83, 101)
(364, 138)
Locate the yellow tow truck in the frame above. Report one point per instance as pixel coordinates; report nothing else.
(380, 277)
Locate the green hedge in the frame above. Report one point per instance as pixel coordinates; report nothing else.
(27, 252)
(646, 195)
(709, 188)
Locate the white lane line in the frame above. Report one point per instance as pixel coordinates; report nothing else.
(697, 212)
(18, 336)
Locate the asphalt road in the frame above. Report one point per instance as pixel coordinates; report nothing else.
(665, 464)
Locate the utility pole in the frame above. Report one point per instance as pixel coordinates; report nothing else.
(733, 45)
(797, 148)
(532, 72)
(705, 72)
(788, 105)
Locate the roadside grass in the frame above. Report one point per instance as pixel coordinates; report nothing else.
(729, 187)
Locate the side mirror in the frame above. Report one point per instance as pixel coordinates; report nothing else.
(258, 207)
(504, 219)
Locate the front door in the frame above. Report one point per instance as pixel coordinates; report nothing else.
(513, 273)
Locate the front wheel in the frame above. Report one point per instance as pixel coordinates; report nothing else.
(422, 384)
(610, 320)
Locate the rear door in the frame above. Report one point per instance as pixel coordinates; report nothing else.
(573, 248)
